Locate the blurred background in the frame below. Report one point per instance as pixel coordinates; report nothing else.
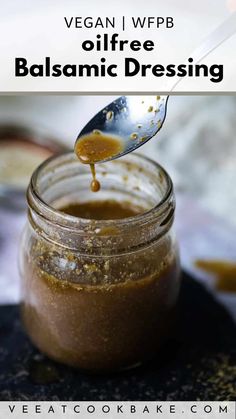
(196, 145)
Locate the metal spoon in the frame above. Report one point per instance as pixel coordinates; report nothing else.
(136, 119)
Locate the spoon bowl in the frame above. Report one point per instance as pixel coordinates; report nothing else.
(133, 119)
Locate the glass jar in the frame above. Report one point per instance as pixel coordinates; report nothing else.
(99, 295)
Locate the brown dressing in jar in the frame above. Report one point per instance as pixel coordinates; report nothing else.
(103, 210)
(96, 147)
(101, 295)
(101, 315)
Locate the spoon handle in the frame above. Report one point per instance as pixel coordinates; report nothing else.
(211, 42)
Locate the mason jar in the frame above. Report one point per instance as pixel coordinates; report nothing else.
(99, 295)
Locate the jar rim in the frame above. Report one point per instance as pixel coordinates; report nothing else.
(44, 209)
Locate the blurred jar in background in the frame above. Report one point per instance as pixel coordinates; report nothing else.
(22, 149)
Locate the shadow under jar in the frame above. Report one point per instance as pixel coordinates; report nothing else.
(99, 294)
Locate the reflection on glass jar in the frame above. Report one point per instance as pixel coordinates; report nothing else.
(99, 294)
